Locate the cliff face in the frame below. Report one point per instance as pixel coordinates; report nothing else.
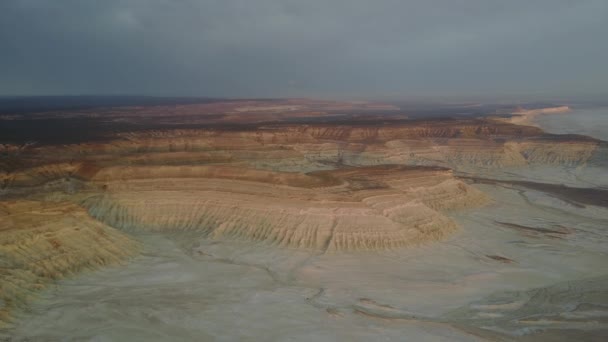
(456, 144)
(41, 242)
(363, 208)
(266, 183)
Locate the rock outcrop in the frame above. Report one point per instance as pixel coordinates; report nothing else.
(320, 186)
(456, 144)
(348, 209)
(41, 242)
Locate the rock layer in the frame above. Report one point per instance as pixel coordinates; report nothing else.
(313, 185)
(41, 242)
(348, 209)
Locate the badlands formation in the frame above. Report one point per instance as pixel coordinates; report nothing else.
(321, 179)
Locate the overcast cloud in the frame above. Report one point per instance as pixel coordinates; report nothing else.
(239, 48)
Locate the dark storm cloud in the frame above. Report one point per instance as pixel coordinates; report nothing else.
(302, 48)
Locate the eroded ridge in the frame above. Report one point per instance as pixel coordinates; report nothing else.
(41, 242)
(349, 209)
(321, 186)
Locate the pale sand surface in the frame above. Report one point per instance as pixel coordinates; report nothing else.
(169, 295)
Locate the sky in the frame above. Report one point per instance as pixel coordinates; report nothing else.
(286, 48)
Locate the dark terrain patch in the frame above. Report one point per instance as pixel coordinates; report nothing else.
(588, 196)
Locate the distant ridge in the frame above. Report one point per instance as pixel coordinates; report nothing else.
(34, 104)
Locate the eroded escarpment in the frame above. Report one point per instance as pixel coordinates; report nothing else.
(41, 242)
(314, 186)
(349, 209)
(457, 144)
(256, 174)
(66, 217)
(321, 179)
